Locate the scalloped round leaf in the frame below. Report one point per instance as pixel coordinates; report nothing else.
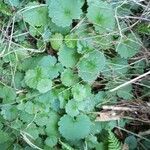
(47, 61)
(53, 71)
(71, 40)
(115, 67)
(90, 65)
(9, 112)
(80, 92)
(30, 107)
(72, 108)
(125, 92)
(58, 29)
(52, 124)
(87, 105)
(17, 124)
(35, 16)
(32, 77)
(69, 78)
(33, 131)
(4, 137)
(28, 63)
(99, 98)
(131, 141)
(36, 30)
(63, 12)
(44, 85)
(91, 141)
(101, 15)
(56, 41)
(84, 46)
(68, 57)
(50, 66)
(104, 41)
(128, 46)
(74, 129)
(7, 94)
(51, 141)
(41, 120)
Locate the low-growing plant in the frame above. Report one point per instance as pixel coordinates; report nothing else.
(59, 59)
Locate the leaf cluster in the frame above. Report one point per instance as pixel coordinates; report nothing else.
(59, 59)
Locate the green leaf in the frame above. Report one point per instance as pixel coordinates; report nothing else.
(91, 141)
(9, 112)
(33, 77)
(5, 9)
(103, 41)
(144, 28)
(56, 41)
(8, 95)
(64, 95)
(32, 130)
(68, 57)
(35, 15)
(84, 46)
(47, 61)
(114, 143)
(41, 120)
(58, 29)
(46, 35)
(50, 66)
(29, 63)
(4, 137)
(26, 117)
(87, 105)
(128, 46)
(1, 125)
(80, 92)
(71, 127)
(17, 147)
(63, 12)
(115, 67)
(90, 65)
(100, 97)
(101, 14)
(131, 141)
(72, 108)
(71, 40)
(138, 68)
(52, 124)
(100, 146)
(44, 85)
(17, 124)
(51, 141)
(35, 31)
(30, 107)
(69, 78)
(18, 79)
(48, 97)
(125, 92)
(14, 3)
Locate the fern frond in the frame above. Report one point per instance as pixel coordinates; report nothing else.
(113, 142)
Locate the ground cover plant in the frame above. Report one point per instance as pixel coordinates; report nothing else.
(74, 74)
